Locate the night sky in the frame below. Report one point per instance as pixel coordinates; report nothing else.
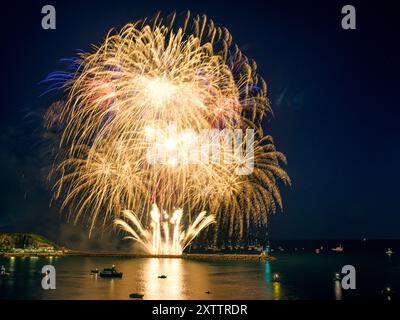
(334, 93)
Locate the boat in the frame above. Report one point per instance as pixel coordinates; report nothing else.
(388, 293)
(162, 276)
(94, 271)
(338, 249)
(110, 273)
(389, 252)
(3, 272)
(136, 295)
(276, 278)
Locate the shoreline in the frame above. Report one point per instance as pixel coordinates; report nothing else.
(190, 256)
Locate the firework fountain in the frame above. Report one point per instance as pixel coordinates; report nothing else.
(137, 82)
(165, 237)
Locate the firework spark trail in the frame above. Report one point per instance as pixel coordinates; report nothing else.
(162, 243)
(148, 75)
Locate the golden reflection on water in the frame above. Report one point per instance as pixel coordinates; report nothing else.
(112, 286)
(12, 263)
(170, 288)
(185, 279)
(276, 288)
(338, 290)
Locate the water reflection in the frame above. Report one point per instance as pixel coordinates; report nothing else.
(12, 264)
(170, 288)
(268, 278)
(112, 286)
(267, 272)
(276, 286)
(188, 279)
(338, 290)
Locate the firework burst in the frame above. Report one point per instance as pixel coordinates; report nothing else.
(140, 80)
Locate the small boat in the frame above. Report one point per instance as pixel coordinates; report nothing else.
(136, 295)
(388, 293)
(94, 271)
(110, 273)
(208, 292)
(3, 272)
(276, 278)
(162, 277)
(389, 252)
(338, 249)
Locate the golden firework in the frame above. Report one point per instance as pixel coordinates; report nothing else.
(142, 79)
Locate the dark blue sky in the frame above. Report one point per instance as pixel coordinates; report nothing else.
(334, 94)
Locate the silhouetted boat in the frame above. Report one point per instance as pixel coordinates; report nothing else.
(3, 272)
(136, 295)
(276, 278)
(338, 249)
(162, 276)
(110, 273)
(387, 293)
(389, 252)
